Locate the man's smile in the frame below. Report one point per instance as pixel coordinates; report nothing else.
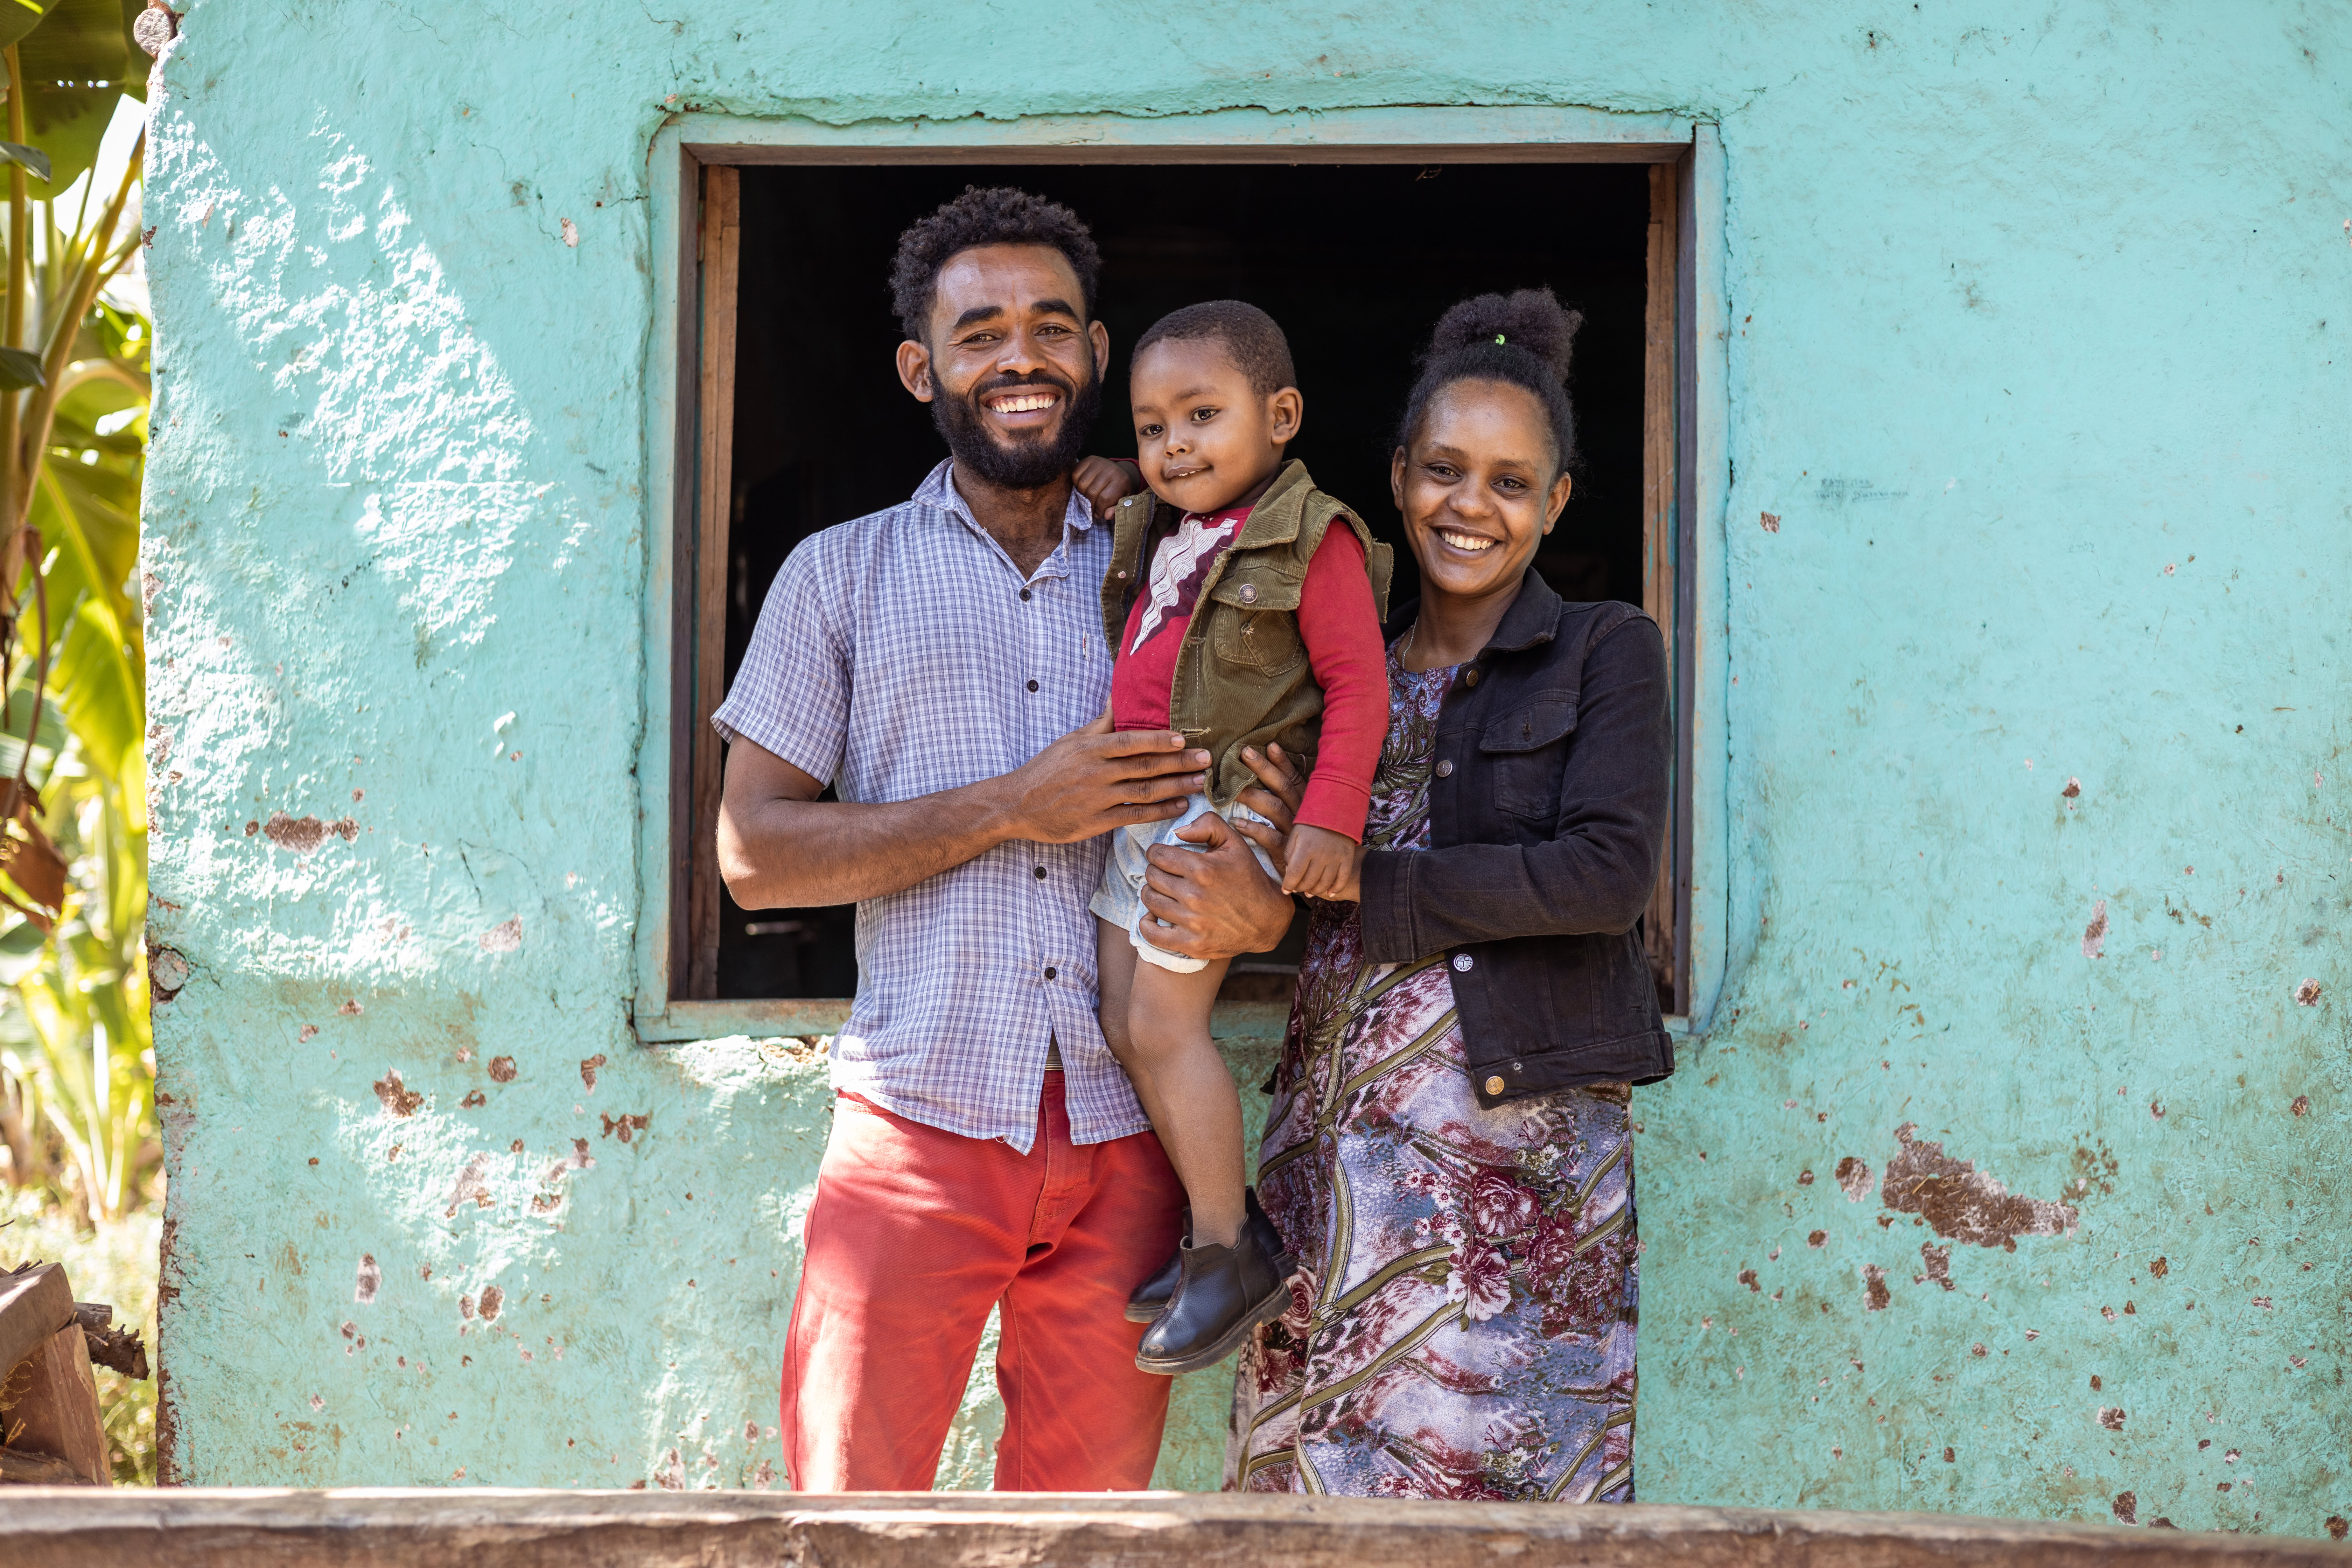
(1023, 404)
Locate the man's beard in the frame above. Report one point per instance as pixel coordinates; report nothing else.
(1031, 462)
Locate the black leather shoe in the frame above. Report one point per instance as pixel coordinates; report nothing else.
(1222, 1293)
(1151, 1297)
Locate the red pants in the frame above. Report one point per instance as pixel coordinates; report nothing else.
(914, 1234)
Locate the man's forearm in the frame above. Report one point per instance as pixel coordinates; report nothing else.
(803, 854)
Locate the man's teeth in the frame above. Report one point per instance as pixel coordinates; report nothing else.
(1027, 403)
(1465, 540)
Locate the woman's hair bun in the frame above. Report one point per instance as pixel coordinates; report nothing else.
(1527, 319)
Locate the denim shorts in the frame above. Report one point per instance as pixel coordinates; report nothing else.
(1120, 898)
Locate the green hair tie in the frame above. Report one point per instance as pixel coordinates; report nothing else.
(1498, 337)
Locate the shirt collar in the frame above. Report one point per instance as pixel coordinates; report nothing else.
(938, 489)
(1533, 617)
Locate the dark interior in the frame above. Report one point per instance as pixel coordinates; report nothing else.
(1356, 261)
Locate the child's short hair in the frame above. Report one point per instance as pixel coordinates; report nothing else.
(1256, 343)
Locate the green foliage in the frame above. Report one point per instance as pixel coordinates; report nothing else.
(78, 1135)
(76, 1071)
(77, 64)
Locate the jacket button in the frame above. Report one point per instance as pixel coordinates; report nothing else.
(1122, 576)
(1461, 963)
(1493, 1086)
(1445, 770)
(1470, 677)
(1248, 595)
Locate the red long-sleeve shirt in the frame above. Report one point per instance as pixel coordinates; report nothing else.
(1337, 621)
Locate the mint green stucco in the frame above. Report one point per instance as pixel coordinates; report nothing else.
(2022, 772)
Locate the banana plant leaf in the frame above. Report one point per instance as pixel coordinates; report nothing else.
(77, 66)
(135, 83)
(97, 686)
(18, 17)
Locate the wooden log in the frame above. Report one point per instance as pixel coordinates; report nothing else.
(35, 1303)
(488, 1528)
(58, 1414)
(37, 1470)
(121, 1350)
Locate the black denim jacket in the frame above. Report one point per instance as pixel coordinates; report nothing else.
(1547, 814)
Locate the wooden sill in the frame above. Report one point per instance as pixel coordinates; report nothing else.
(490, 1528)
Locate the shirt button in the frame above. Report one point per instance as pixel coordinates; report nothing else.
(1040, 873)
(1470, 677)
(1033, 686)
(1461, 963)
(1024, 596)
(1445, 770)
(1051, 972)
(1493, 1086)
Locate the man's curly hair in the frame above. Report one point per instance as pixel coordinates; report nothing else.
(998, 216)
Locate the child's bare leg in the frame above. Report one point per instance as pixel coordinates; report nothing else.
(1115, 966)
(1188, 1093)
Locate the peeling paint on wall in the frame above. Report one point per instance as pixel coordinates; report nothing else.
(1957, 1200)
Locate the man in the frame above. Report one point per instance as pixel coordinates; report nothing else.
(941, 665)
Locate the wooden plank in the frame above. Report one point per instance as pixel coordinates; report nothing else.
(56, 1415)
(1292, 154)
(669, 890)
(1658, 595)
(1693, 317)
(721, 230)
(37, 1470)
(35, 1303)
(485, 1528)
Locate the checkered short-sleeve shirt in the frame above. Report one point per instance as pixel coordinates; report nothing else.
(904, 654)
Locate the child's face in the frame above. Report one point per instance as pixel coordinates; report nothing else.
(1205, 440)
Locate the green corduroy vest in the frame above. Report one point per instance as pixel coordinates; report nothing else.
(1252, 686)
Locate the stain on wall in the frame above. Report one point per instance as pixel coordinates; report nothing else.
(2037, 850)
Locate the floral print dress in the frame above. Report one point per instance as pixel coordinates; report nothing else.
(1461, 1324)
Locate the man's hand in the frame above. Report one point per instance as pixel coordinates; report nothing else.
(1106, 481)
(1096, 779)
(1218, 898)
(782, 848)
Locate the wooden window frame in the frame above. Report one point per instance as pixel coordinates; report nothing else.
(691, 375)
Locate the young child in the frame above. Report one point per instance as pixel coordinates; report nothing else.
(1242, 613)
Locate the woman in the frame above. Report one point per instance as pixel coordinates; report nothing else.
(1448, 1149)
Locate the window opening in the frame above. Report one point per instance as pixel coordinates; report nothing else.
(804, 424)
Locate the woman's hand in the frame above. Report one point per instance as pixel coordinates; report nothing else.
(1275, 797)
(1106, 481)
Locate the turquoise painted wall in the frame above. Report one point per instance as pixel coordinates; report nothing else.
(2032, 751)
